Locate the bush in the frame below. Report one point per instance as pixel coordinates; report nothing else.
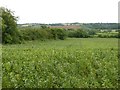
(33, 34)
(42, 33)
(108, 35)
(80, 33)
(59, 33)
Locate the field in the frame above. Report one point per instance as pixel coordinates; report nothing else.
(74, 62)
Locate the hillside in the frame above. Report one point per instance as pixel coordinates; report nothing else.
(73, 25)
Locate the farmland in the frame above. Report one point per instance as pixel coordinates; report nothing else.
(74, 62)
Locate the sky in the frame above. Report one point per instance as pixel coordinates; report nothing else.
(63, 11)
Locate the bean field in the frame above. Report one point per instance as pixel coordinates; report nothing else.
(74, 62)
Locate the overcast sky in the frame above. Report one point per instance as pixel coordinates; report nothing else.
(63, 11)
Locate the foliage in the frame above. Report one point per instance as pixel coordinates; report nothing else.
(10, 33)
(84, 33)
(70, 63)
(108, 26)
(92, 32)
(80, 33)
(58, 33)
(33, 34)
(108, 35)
(42, 33)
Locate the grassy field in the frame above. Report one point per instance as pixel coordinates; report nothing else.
(81, 63)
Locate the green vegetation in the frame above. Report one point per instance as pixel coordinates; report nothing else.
(108, 26)
(10, 33)
(42, 33)
(93, 33)
(81, 63)
(79, 33)
(107, 34)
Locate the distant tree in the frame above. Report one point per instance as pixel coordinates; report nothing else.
(58, 33)
(10, 33)
(91, 32)
(61, 33)
(44, 27)
(80, 33)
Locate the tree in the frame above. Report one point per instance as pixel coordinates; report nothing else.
(80, 33)
(10, 33)
(58, 33)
